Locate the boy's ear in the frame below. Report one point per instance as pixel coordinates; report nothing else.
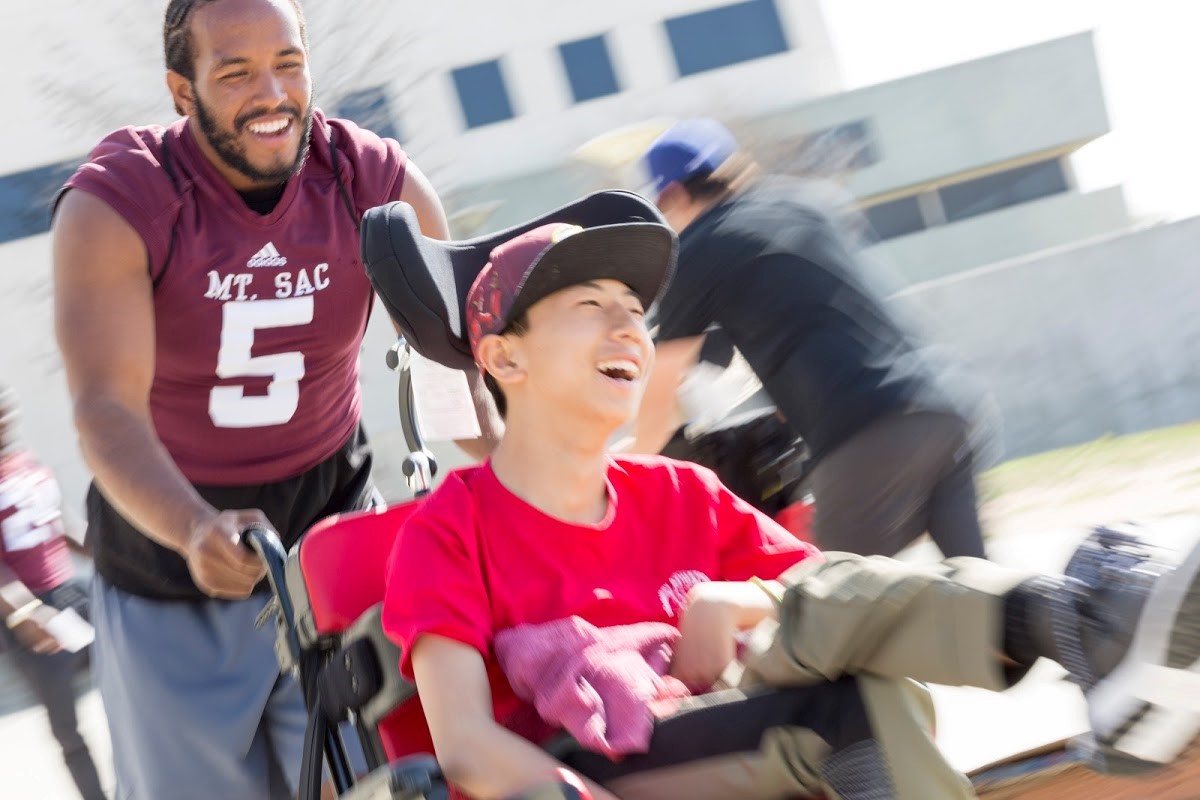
(495, 354)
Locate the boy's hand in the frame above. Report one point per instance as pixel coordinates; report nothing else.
(715, 612)
(706, 643)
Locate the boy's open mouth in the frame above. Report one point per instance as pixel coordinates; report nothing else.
(622, 369)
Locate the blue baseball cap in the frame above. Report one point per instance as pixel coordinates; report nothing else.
(688, 148)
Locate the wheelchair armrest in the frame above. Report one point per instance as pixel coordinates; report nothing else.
(393, 688)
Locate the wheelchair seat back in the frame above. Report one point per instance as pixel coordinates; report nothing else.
(343, 564)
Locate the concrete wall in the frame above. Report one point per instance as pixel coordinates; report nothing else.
(925, 131)
(1100, 338)
(1006, 233)
(1013, 106)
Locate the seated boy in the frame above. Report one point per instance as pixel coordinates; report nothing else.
(554, 526)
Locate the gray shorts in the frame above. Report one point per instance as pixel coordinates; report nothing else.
(195, 702)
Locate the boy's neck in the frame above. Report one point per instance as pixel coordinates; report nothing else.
(561, 473)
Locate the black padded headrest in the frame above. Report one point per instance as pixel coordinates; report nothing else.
(424, 282)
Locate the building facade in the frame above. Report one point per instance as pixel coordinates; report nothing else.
(512, 108)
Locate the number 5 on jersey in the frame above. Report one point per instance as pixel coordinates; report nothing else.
(228, 406)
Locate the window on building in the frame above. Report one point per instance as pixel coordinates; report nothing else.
(25, 199)
(482, 94)
(725, 35)
(1008, 188)
(371, 109)
(589, 69)
(842, 148)
(895, 218)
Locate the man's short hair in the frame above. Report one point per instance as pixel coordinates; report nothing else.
(179, 50)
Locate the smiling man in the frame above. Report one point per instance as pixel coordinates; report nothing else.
(210, 304)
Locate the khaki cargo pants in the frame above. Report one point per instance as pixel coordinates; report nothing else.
(851, 634)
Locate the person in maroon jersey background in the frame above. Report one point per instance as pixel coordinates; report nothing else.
(38, 582)
(210, 304)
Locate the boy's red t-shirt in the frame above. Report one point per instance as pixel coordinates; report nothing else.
(475, 559)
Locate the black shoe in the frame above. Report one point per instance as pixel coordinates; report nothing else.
(1127, 629)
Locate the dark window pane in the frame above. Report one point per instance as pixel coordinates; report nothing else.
(482, 94)
(727, 35)
(842, 148)
(589, 68)
(1007, 188)
(25, 199)
(371, 109)
(895, 218)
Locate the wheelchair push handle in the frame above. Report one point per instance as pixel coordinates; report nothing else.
(269, 547)
(265, 542)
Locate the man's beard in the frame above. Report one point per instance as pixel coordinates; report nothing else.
(227, 147)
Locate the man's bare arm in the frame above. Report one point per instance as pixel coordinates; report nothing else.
(104, 320)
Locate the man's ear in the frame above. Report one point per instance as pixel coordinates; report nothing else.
(497, 356)
(182, 92)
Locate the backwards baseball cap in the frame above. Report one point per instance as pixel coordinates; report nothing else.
(537, 263)
(688, 148)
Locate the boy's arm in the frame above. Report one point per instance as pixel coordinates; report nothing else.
(474, 752)
(715, 612)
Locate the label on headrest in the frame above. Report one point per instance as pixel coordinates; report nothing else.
(442, 396)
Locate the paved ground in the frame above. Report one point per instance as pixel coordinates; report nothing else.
(1040, 709)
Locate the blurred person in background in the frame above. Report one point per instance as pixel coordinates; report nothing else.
(729, 424)
(37, 583)
(210, 304)
(889, 433)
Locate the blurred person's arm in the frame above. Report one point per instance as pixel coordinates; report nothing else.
(491, 426)
(475, 752)
(104, 320)
(659, 416)
(419, 193)
(25, 614)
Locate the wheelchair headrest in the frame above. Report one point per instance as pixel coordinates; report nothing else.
(424, 282)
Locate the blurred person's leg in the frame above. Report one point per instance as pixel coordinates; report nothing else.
(873, 493)
(942, 623)
(953, 512)
(51, 677)
(1121, 620)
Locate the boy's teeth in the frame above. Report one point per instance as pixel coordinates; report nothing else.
(620, 365)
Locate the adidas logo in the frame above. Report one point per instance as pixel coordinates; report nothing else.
(267, 257)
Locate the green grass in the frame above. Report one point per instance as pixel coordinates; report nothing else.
(1074, 464)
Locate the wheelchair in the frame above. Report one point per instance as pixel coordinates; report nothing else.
(328, 589)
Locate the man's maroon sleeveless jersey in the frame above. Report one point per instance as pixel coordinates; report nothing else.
(259, 318)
